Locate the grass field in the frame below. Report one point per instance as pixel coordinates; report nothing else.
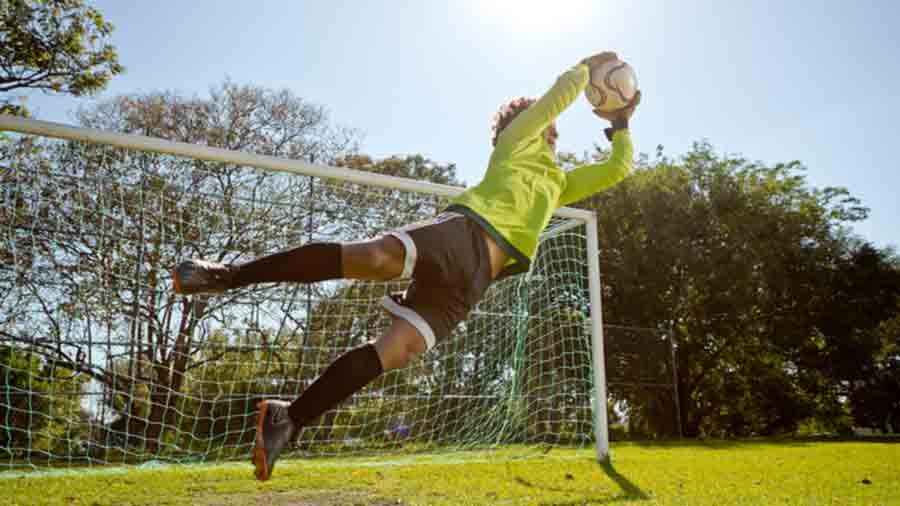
(719, 473)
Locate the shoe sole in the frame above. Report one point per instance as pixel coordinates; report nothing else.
(176, 285)
(259, 453)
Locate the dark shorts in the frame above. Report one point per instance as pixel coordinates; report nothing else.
(448, 260)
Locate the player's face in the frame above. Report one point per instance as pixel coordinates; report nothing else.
(550, 135)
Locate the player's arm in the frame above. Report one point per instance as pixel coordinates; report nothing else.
(532, 121)
(587, 180)
(596, 177)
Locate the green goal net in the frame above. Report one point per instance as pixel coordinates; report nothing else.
(100, 362)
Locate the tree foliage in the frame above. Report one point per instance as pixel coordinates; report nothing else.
(752, 270)
(54, 45)
(40, 403)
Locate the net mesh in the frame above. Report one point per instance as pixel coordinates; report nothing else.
(100, 362)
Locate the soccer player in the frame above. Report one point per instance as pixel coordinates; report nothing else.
(489, 231)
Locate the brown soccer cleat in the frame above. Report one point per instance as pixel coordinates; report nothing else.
(201, 277)
(274, 430)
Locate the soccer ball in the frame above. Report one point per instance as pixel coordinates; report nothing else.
(611, 86)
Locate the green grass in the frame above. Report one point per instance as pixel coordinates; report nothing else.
(720, 473)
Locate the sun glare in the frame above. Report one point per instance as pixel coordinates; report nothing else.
(535, 15)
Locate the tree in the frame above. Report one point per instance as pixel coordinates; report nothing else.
(734, 255)
(875, 400)
(865, 290)
(41, 401)
(861, 336)
(54, 45)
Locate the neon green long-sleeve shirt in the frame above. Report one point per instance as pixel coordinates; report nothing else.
(523, 185)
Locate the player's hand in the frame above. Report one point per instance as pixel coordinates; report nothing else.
(623, 114)
(599, 59)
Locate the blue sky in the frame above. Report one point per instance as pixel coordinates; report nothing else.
(815, 81)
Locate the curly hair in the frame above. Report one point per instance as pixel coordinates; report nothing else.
(507, 113)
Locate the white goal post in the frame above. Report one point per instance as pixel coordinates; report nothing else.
(142, 143)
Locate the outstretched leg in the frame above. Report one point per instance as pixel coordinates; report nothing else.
(278, 421)
(376, 259)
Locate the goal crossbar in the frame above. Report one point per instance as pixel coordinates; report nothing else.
(144, 143)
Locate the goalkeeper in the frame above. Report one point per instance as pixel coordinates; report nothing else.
(489, 231)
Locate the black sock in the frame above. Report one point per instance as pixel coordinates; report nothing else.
(346, 375)
(306, 264)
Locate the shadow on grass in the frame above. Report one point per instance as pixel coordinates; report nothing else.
(629, 491)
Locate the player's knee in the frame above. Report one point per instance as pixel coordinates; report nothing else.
(410, 354)
(397, 360)
(402, 354)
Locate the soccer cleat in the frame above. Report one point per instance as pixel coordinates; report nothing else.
(199, 276)
(274, 430)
